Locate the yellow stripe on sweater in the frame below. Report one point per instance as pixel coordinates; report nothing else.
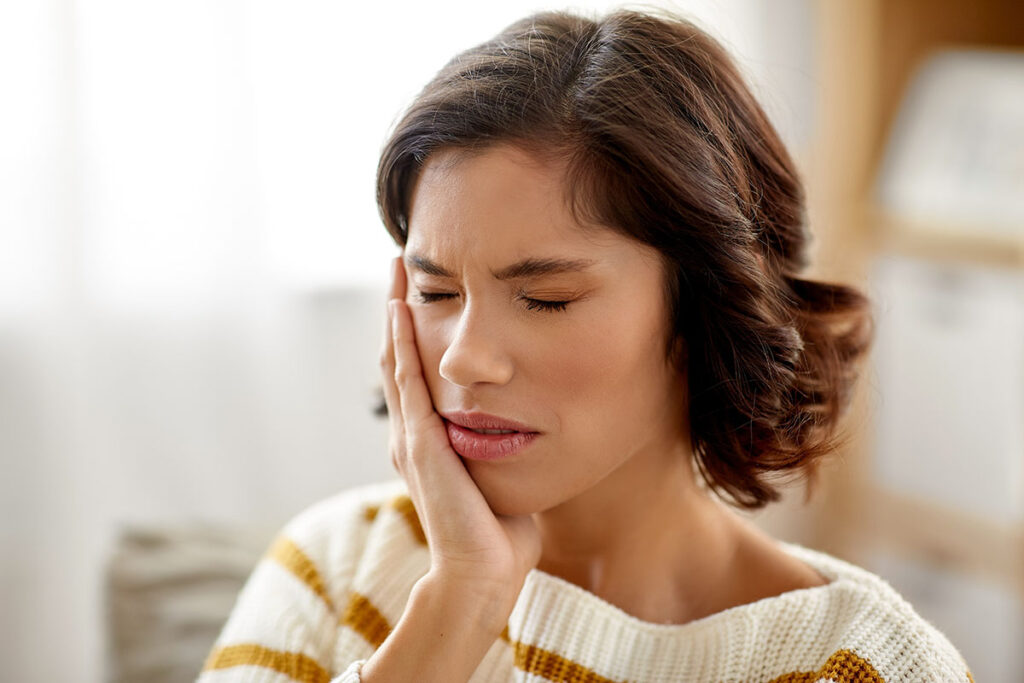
(370, 512)
(842, 666)
(291, 557)
(403, 503)
(554, 667)
(365, 619)
(292, 664)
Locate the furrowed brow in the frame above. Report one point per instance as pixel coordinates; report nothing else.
(525, 269)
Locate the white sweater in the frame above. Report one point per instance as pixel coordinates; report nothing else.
(337, 579)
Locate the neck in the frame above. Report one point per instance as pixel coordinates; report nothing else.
(645, 533)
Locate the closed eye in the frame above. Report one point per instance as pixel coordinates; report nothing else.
(532, 304)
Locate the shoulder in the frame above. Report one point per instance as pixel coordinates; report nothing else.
(289, 611)
(337, 527)
(879, 633)
(324, 545)
(904, 644)
(347, 511)
(360, 552)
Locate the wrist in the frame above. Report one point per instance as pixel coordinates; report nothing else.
(443, 635)
(486, 603)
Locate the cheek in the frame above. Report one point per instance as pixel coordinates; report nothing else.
(599, 372)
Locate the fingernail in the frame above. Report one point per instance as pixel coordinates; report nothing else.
(392, 307)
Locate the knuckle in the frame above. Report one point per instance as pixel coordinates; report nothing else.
(402, 376)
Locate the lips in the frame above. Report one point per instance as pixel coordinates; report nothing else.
(485, 421)
(476, 446)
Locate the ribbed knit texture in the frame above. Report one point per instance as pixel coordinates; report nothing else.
(337, 579)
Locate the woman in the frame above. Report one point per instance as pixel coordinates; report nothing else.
(597, 342)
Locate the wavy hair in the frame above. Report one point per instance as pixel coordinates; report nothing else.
(663, 142)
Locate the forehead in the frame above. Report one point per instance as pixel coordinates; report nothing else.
(500, 192)
(502, 206)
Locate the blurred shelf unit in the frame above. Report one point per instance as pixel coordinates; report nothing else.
(941, 537)
(949, 243)
(923, 160)
(944, 480)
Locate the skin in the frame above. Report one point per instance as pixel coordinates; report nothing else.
(606, 497)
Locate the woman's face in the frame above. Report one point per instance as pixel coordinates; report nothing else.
(591, 378)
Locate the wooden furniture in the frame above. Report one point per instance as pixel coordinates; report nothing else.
(867, 53)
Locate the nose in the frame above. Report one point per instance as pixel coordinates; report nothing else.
(477, 352)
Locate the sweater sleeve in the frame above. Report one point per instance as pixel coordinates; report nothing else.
(351, 674)
(285, 621)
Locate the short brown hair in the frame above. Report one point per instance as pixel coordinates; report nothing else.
(664, 142)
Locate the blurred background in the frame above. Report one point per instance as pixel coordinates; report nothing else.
(192, 279)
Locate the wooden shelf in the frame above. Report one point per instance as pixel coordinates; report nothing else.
(948, 243)
(867, 55)
(943, 537)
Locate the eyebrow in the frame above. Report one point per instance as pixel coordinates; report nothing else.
(527, 268)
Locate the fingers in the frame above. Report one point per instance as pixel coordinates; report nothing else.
(396, 290)
(387, 364)
(398, 283)
(414, 396)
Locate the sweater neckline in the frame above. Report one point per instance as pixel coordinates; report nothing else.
(556, 591)
(561, 624)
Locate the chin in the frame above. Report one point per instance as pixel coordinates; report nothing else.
(512, 505)
(506, 498)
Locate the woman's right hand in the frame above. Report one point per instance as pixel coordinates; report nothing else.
(470, 546)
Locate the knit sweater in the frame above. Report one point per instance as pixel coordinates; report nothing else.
(335, 581)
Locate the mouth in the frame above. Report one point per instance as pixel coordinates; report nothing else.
(487, 444)
(487, 425)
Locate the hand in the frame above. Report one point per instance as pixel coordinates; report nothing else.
(469, 544)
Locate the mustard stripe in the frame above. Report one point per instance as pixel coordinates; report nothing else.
(404, 505)
(361, 616)
(295, 665)
(970, 677)
(534, 660)
(370, 512)
(291, 557)
(843, 665)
